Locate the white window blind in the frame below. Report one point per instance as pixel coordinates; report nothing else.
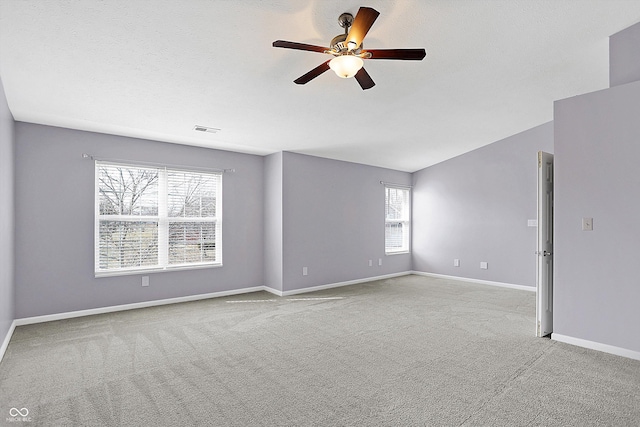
(397, 219)
(152, 218)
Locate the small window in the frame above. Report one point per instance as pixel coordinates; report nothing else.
(151, 218)
(397, 219)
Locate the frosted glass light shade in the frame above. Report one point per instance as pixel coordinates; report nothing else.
(346, 66)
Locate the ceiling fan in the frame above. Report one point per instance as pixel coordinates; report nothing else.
(348, 52)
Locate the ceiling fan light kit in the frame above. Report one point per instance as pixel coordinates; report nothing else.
(346, 66)
(348, 51)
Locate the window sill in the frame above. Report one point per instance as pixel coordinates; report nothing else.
(398, 253)
(98, 275)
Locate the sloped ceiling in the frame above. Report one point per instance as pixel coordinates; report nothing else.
(154, 69)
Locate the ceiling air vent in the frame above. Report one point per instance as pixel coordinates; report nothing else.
(206, 129)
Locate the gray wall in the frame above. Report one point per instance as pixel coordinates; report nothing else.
(333, 221)
(55, 232)
(475, 208)
(273, 221)
(7, 216)
(596, 281)
(624, 56)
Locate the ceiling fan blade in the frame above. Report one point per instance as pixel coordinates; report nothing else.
(363, 21)
(403, 54)
(312, 74)
(299, 46)
(365, 80)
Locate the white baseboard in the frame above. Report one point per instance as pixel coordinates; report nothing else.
(481, 282)
(335, 285)
(7, 338)
(133, 306)
(273, 291)
(606, 348)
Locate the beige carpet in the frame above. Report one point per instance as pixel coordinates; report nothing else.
(409, 351)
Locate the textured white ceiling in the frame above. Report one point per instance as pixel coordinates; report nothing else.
(154, 69)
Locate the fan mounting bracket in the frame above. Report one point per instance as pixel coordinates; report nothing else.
(345, 20)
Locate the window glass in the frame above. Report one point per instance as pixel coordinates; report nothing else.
(397, 219)
(150, 218)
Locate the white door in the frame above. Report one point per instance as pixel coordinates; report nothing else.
(544, 276)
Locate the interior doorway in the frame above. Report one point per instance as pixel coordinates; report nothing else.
(544, 251)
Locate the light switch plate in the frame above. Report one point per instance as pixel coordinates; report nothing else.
(456, 262)
(587, 224)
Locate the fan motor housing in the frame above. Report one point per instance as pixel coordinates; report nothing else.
(338, 45)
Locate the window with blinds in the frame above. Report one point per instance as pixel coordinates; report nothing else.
(397, 219)
(152, 218)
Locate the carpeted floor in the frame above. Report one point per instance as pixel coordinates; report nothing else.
(409, 351)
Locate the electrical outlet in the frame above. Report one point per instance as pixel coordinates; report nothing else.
(379, 261)
(370, 263)
(305, 271)
(145, 280)
(456, 262)
(484, 265)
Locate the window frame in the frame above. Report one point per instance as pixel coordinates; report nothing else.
(406, 221)
(162, 219)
